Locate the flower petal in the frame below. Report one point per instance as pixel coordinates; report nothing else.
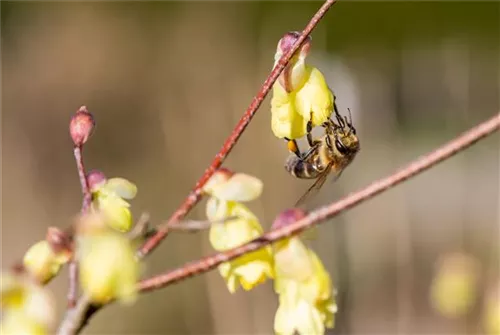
(293, 260)
(249, 270)
(240, 187)
(216, 209)
(121, 187)
(41, 261)
(108, 267)
(315, 97)
(117, 216)
(285, 120)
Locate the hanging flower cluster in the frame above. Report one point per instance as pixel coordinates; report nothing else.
(27, 307)
(306, 298)
(300, 94)
(227, 192)
(304, 287)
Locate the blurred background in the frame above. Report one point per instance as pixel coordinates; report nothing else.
(167, 81)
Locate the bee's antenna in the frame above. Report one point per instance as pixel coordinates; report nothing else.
(338, 116)
(349, 123)
(339, 120)
(350, 117)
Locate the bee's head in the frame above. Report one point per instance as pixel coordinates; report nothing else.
(344, 136)
(346, 143)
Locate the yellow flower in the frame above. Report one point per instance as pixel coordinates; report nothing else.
(27, 308)
(298, 315)
(300, 95)
(491, 317)
(454, 291)
(225, 190)
(307, 302)
(20, 324)
(108, 197)
(43, 263)
(108, 267)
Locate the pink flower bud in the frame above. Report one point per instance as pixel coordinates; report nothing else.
(95, 178)
(287, 217)
(289, 39)
(224, 172)
(58, 240)
(81, 126)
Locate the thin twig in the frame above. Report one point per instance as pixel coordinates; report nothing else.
(193, 226)
(75, 319)
(321, 214)
(87, 199)
(141, 227)
(73, 283)
(195, 195)
(87, 196)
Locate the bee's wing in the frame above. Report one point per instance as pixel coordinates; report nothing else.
(316, 186)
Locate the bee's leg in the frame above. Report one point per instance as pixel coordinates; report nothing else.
(293, 147)
(310, 140)
(310, 151)
(309, 127)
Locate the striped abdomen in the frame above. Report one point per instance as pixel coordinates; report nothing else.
(302, 169)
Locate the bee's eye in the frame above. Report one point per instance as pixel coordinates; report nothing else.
(341, 147)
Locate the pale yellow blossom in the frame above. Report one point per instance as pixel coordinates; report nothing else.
(226, 191)
(27, 307)
(108, 197)
(108, 267)
(305, 291)
(300, 95)
(42, 262)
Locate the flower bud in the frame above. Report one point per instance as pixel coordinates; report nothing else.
(58, 240)
(95, 178)
(287, 42)
(287, 217)
(81, 126)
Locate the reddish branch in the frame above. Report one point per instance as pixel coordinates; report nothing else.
(194, 197)
(323, 213)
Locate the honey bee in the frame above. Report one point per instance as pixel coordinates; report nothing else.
(331, 153)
